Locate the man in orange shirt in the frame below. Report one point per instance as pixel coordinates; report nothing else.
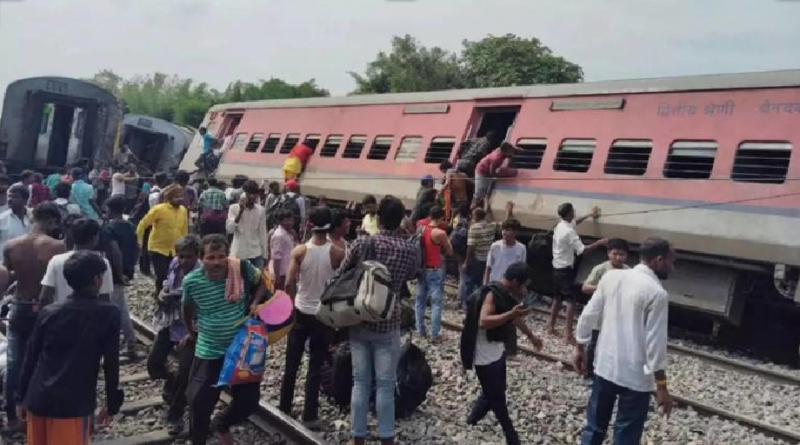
(296, 162)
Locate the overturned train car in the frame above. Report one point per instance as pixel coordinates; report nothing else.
(159, 145)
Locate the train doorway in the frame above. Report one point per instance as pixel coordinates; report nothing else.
(60, 139)
(500, 120)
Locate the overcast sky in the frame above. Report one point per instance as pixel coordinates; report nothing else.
(221, 41)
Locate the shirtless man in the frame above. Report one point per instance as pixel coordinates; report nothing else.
(26, 258)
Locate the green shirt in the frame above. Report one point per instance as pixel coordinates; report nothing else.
(217, 319)
(599, 271)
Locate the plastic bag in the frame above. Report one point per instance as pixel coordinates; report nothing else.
(246, 357)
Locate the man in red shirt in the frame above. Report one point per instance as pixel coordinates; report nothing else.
(489, 168)
(296, 162)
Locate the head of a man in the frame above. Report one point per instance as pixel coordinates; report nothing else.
(84, 271)
(215, 256)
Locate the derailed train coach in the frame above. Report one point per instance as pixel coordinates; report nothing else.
(49, 123)
(159, 145)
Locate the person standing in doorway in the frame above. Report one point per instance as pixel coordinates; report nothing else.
(431, 285)
(566, 245)
(632, 349)
(310, 267)
(489, 169)
(479, 148)
(247, 222)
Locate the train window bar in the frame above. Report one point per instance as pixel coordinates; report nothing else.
(529, 154)
(289, 143)
(762, 162)
(354, 146)
(408, 149)
(575, 155)
(239, 142)
(255, 141)
(312, 141)
(628, 157)
(331, 146)
(440, 149)
(380, 147)
(690, 159)
(272, 143)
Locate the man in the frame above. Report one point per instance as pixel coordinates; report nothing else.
(369, 223)
(375, 347)
(291, 192)
(26, 257)
(83, 195)
(340, 228)
(25, 180)
(297, 161)
(59, 384)
(435, 243)
(477, 150)
(208, 142)
(189, 193)
(54, 178)
(632, 348)
(14, 222)
(310, 267)
(488, 327)
(161, 182)
(281, 243)
(455, 183)
(212, 206)
(426, 197)
(273, 193)
(235, 190)
(5, 183)
(218, 313)
(567, 244)
(490, 168)
(617, 255)
(169, 222)
(132, 188)
(122, 250)
(39, 192)
(247, 222)
(480, 238)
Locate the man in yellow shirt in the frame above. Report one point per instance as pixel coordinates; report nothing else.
(169, 222)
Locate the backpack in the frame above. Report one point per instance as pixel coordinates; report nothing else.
(284, 203)
(363, 293)
(414, 379)
(418, 241)
(458, 237)
(341, 375)
(540, 250)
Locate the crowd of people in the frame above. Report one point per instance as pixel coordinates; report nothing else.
(71, 244)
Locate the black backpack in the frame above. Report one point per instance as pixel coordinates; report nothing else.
(414, 379)
(540, 250)
(284, 202)
(416, 240)
(342, 376)
(458, 237)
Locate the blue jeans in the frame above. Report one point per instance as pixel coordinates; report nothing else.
(470, 279)
(373, 352)
(632, 409)
(258, 263)
(21, 320)
(126, 326)
(432, 284)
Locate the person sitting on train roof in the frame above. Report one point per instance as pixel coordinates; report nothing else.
(297, 161)
(478, 150)
(490, 168)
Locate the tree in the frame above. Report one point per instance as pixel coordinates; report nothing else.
(499, 61)
(410, 66)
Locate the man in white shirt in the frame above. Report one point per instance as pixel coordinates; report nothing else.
(15, 222)
(566, 245)
(85, 234)
(161, 182)
(247, 222)
(632, 349)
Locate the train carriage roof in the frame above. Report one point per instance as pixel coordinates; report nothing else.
(709, 82)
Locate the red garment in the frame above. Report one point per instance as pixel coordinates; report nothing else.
(488, 165)
(301, 152)
(426, 221)
(433, 254)
(66, 178)
(39, 193)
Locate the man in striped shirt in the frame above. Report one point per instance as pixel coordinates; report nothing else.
(480, 237)
(217, 318)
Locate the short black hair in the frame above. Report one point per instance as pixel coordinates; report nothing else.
(652, 248)
(26, 174)
(369, 199)
(565, 209)
(445, 165)
(216, 241)
(161, 179)
(250, 187)
(618, 244)
(212, 182)
(82, 267)
(84, 230)
(274, 186)
(116, 204)
(63, 190)
(391, 212)
(511, 224)
(479, 213)
(436, 212)
(238, 181)
(320, 217)
(4, 179)
(338, 217)
(182, 177)
(282, 214)
(47, 211)
(463, 208)
(519, 272)
(188, 242)
(19, 189)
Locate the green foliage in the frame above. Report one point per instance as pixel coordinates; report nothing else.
(186, 102)
(495, 61)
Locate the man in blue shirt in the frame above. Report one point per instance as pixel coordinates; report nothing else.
(208, 147)
(83, 195)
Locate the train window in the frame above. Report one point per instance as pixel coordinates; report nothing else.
(272, 143)
(690, 159)
(765, 162)
(312, 140)
(628, 157)
(440, 149)
(331, 145)
(239, 142)
(575, 155)
(289, 143)
(255, 141)
(380, 147)
(530, 153)
(408, 149)
(354, 146)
